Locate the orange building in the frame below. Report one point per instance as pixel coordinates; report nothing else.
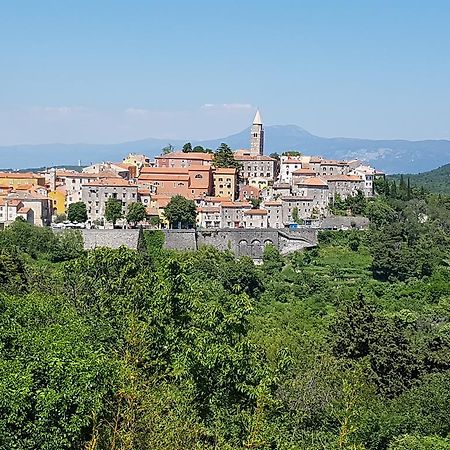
(180, 159)
(189, 182)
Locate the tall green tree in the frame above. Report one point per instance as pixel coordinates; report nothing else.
(181, 212)
(167, 149)
(187, 148)
(224, 157)
(113, 210)
(135, 213)
(77, 212)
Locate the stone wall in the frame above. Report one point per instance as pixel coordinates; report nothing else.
(110, 238)
(240, 242)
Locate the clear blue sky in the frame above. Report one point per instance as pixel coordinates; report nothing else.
(110, 70)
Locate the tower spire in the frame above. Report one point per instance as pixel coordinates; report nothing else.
(257, 135)
(257, 120)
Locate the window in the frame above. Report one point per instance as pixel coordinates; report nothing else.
(198, 176)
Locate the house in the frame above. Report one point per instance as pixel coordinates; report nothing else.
(184, 160)
(345, 185)
(232, 214)
(208, 217)
(96, 193)
(246, 192)
(274, 213)
(255, 218)
(225, 182)
(191, 182)
(257, 170)
(40, 206)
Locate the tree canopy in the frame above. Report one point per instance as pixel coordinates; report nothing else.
(224, 158)
(77, 212)
(113, 210)
(135, 213)
(180, 212)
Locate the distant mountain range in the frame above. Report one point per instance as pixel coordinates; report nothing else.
(391, 156)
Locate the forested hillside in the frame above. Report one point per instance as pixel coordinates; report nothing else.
(346, 346)
(437, 180)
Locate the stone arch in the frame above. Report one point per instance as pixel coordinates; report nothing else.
(243, 248)
(267, 242)
(257, 250)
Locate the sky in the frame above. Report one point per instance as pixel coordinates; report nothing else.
(108, 71)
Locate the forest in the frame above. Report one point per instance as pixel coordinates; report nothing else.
(343, 346)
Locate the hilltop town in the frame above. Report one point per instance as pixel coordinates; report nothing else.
(244, 188)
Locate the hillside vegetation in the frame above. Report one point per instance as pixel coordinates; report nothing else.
(437, 180)
(345, 346)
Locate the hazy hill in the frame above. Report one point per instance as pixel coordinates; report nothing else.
(392, 156)
(437, 180)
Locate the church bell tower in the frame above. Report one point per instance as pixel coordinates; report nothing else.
(257, 136)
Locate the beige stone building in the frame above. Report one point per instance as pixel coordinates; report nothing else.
(274, 210)
(96, 193)
(40, 205)
(232, 214)
(344, 185)
(257, 170)
(316, 189)
(208, 217)
(255, 218)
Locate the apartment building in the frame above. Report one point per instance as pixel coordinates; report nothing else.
(257, 170)
(191, 182)
(96, 193)
(225, 182)
(184, 160)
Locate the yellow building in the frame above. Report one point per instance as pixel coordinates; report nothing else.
(225, 182)
(58, 198)
(156, 208)
(16, 179)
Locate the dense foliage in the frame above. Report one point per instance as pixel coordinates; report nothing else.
(436, 180)
(180, 212)
(77, 212)
(345, 346)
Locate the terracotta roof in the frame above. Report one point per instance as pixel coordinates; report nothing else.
(20, 175)
(143, 191)
(24, 210)
(291, 161)
(151, 211)
(14, 202)
(258, 212)
(313, 181)
(303, 171)
(112, 182)
(97, 175)
(26, 195)
(164, 170)
(315, 159)
(190, 155)
(225, 171)
(273, 203)
(214, 209)
(343, 178)
(164, 177)
(235, 204)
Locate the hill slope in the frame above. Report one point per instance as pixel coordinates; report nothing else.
(436, 180)
(392, 156)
